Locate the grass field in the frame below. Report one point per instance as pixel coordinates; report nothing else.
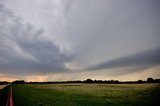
(4, 94)
(85, 94)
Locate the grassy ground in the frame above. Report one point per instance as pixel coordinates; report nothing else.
(4, 95)
(86, 94)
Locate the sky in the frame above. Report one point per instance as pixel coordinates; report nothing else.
(55, 40)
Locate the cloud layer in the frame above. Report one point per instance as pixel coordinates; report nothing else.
(141, 60)
(66, 38)
(25, 49)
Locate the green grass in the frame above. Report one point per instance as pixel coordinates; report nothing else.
(86, 94)
(4, 95)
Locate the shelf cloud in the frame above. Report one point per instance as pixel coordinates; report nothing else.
(143, 59)
(25, 49)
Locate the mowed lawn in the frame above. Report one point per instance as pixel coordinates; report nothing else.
(85, 94)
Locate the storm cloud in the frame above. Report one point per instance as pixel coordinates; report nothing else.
(25, 49)
(79, 38)
(141, 60)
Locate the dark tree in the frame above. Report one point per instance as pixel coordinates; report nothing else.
(116, 81)
(3, 82)
(150, 80)
(88, 81)
(18, 82)
(140, 81)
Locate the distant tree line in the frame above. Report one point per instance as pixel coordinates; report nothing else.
(19, 82)
(3, 82)
(149, 80)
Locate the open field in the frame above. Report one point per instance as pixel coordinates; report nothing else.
(4, 94)
(85, 94)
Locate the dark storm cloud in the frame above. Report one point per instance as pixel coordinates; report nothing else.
(94, 30)
(105, 29)
(26, 49)
(139, 60)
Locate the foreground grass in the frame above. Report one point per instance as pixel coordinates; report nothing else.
(86, 94)
(4, 95)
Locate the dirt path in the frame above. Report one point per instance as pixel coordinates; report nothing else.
(10, 98)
